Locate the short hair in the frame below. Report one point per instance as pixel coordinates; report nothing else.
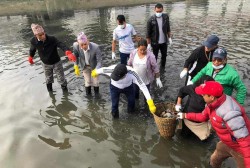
(203, 79)
(159, 5)
(142, 42)
(121, 18)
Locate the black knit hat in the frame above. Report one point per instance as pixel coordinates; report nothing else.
(119, 72)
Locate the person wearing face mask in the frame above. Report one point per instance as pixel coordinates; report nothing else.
(144, 63)
(158, 33)
(225, 74)
(88, 56)
(123, 33)
(199, 58)
(47, 50)
(230, 122)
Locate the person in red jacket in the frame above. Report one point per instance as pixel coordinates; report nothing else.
(229, 121)
(47, 50)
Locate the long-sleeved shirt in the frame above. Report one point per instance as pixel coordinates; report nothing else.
(131, 77)
(198, 60)
(195, 102)
(230, 122)
(47, 50)
(228, 77)
(94, 55)
(152, 67)
(153, 28)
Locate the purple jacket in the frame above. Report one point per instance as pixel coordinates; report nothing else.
(152, 67)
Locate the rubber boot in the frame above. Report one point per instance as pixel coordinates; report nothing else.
(64, 88)
(115, 114)
(49, 87)
(96, 89)
(88, 90)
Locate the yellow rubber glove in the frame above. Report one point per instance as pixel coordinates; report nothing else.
(151, 106)
(94, 73)
(77, 71)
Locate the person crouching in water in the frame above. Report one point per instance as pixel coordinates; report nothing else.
(195, 103)
(229, 121)
(122, 81)
(89, 57)
(47, 51)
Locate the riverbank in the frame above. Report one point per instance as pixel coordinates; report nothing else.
(14, 7)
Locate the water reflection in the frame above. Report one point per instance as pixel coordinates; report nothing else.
(61, 145)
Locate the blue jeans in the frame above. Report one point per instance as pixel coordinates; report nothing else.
(137, 90)
(124, 58)
(115, 95)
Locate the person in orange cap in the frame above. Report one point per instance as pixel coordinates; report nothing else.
(229, 121)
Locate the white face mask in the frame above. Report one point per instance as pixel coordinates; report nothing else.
(121, 26)
(158, 14)
(218, 67)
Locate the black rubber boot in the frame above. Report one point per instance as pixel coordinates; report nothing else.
(96, 89)
(64, 88)
(49, 87)
(115, 114)
(88, 90)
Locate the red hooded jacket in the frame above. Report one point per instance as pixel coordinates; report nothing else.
(230, 122)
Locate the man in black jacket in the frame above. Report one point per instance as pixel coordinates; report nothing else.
(47, 51)
(158, 33)
(200, 57)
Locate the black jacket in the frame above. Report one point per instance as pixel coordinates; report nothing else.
(201, 57)
(195, 102)
(153, 30)
(47, 50)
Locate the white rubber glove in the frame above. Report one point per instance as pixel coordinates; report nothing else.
(180, 116)
(170, 42)
(183, 73)
(178, 107)
(189, 82)
(149, 47)
(158, 82)
(113, 55)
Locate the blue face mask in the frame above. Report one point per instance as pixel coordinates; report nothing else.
(158, 14)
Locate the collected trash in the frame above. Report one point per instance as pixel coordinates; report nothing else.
(167, 114)
(165, 119)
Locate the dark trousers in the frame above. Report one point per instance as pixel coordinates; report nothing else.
(164, 49)
(124, 58)
(115, 95)
(137, 90)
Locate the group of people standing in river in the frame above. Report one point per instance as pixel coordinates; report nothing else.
(210, 81)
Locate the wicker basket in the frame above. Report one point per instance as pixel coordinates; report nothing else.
(166, 126)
